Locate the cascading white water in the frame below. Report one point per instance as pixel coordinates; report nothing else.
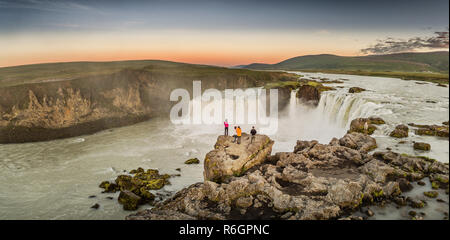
(342, 107)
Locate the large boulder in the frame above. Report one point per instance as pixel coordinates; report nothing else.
(362, 125)
(129, 200)
(422, 146)
(358, 141)
(400, 131)
(309, 94)
(232, 159)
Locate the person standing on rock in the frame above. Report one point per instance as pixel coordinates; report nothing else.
(253, 132)
(226, 127)
(235, 135)
(239, 134)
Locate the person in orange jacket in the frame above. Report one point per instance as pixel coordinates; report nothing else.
(239, 134)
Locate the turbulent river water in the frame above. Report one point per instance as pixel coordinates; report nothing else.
(53, 180)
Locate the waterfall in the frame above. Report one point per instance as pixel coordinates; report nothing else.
(341, 107)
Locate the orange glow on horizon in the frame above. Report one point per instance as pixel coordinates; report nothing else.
(206, 58)
(222, 48)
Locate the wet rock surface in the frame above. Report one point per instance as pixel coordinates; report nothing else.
(192, 161)
(422, 146)
(309, 94)
(400, 131)
(356, 90)
(315, 181)
(431, 130)
(310, 90)
(365, 125)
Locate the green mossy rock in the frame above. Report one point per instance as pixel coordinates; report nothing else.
(109, 187)
(356, 90)
(400, 131)
(192, 161)
(146, 195)
(422, 146)
(135, 190)
(376, 120)
(435, 185)
(129, 200)
(155, 184)
(431, 194)
(417, 204)
(362, 125)
(139, 170)
(124, 182)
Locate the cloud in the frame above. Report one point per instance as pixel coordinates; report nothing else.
(45, 5)
(439, 40)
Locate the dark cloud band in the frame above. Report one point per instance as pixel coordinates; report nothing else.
(439, 40)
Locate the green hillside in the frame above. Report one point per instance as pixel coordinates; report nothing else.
(403, 62)
(53, 72)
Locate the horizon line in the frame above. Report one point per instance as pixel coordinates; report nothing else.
(213, 65)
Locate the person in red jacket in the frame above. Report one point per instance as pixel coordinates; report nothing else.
(226, 127)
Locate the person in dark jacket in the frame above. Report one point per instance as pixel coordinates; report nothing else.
(253, 132)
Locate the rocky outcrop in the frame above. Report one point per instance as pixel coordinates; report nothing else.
(363, 125)
(400, 131)
(309, 91)
(309, 94)
(431, 130)
(316, 181)
(232, 159)
(135, 187)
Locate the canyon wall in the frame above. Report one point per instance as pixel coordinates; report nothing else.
(51, 110)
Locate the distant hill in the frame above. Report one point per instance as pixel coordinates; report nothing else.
(56, 72)
(400, 62)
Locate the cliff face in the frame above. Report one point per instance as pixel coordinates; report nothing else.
(51, 110)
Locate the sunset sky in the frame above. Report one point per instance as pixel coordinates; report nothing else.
(212, 32)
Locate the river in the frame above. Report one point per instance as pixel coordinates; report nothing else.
(53, 180)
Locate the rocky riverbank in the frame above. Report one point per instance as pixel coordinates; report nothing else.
(315, 181)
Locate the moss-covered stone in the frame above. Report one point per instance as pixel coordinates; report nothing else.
(431, 194)
(376, 120)
(400, 131)
(129, 200)
(109, 187)
(124, 182)
(155, 184)
(362, 125)
(138, 170)
(435, 185)
(417, 204)
(140, 185)
(422, 146)
(356, 90)
(192, 161)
